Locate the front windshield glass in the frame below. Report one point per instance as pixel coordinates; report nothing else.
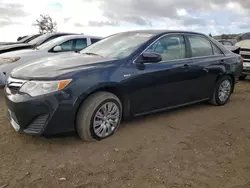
(24, 39)
(118, 46)
(39, 40)
(49, 44)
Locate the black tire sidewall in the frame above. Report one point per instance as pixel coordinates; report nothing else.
(91, 128)
(217, 99)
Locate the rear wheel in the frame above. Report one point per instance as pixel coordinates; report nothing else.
(99, 116)
(242, 77)
(222, 91)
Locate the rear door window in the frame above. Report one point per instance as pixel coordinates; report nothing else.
(200, 46)
(80, 44)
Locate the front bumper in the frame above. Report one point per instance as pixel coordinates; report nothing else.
(44, 115)
(246, 71)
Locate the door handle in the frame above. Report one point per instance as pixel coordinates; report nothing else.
(186, 67)
(222, 61)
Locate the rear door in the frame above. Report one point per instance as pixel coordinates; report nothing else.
(207, 61)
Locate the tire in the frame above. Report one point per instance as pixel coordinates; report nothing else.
(215, 99)
(87, 114)
(242, 77)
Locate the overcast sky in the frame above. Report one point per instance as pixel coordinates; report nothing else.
(105, 17)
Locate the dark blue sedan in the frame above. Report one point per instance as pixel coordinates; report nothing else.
(124, 75)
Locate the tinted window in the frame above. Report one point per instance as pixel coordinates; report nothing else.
(170, 47)
(80, 44)
(94, 40)
(67, 46)
(200, 46)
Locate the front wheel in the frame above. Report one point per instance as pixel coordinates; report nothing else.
(222, 91)
(99, 116)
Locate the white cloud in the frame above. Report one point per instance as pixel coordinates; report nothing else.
(105, 17)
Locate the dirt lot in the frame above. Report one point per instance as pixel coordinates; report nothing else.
(198, 146)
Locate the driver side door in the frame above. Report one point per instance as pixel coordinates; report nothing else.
(164, 84)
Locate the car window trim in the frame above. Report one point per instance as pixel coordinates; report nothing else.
(211, 42)
(183, 34)
(218, 55)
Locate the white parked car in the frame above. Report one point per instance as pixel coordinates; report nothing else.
(64, 44)
(244, 44)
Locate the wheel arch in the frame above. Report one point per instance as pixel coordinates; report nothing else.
(231, 75)
(113, 88)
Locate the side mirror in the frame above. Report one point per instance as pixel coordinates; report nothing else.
(57, 49)
(149, 57)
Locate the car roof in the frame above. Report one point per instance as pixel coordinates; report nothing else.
(60, 40)
(78, 36)
(157, 32)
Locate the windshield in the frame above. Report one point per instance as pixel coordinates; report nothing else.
(49, 44)
(118, 46)
(39, 40)
(24, 39)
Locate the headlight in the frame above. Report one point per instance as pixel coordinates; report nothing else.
(9, 60)
(36, 88)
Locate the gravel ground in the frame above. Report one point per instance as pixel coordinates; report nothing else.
(199, 146)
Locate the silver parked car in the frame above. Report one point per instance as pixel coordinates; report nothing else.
(64, 44)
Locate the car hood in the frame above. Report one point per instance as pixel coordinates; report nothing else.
(9, 43)
(19, 53)
(243, 44)
(6, 47)
(52, 67)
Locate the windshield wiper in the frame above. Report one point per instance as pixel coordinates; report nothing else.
(90, 53)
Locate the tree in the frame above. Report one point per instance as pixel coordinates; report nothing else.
(210, 35)
(45, 24)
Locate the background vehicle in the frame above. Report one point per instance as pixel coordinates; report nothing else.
(124, 75)
(69, 43)
(230, 44)
(20, 38)
(33, 43)
(23, 40)
(227, 42)
(244, 44)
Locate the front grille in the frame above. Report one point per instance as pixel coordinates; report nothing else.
(245, 49)
(14, 85)
(14, 89)
(36, 125)
(245, 56)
